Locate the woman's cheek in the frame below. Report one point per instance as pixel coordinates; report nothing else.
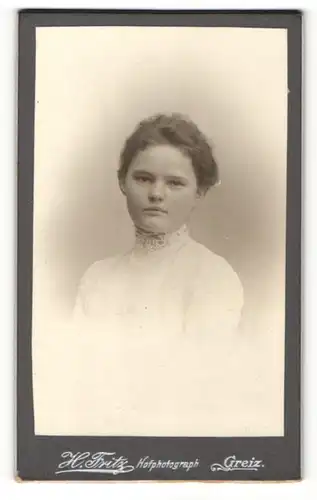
(138, 192)
(185, 197)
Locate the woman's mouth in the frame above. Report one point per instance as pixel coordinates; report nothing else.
(154, 211)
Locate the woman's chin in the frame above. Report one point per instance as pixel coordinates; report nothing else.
(154, 226)
(155, 229)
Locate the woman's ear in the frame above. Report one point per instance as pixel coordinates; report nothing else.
(201, 192)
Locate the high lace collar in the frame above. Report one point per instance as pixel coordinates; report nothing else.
(151, 242)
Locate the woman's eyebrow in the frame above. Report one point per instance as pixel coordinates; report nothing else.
(177, 177)
(143, 172)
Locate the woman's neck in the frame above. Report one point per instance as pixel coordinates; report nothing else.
(151, 242)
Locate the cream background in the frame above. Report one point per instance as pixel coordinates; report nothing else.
(92, 86)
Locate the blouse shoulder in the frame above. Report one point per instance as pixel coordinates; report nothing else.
(216, 278)
(211, 263)
(219, 267)
(95, 271)
(90, 281)
(100, 268)
(227, 275)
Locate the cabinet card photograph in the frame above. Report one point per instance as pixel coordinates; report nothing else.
(159, 165)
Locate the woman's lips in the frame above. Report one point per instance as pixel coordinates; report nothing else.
(155, 211)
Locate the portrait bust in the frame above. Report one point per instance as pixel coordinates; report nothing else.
(167, 284)
(158, 294)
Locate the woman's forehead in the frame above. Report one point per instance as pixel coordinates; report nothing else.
(163, 160)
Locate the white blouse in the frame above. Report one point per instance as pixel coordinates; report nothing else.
(153, 351)
(168, 286)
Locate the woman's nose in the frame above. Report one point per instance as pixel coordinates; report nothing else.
(156, 192)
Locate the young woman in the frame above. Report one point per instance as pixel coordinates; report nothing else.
(167, 284)
(154, 347)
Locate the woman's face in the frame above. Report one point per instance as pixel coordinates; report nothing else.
(161, 189)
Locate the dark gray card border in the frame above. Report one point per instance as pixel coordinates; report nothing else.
(39, 456)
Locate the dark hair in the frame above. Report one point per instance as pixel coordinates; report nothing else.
(179, 131)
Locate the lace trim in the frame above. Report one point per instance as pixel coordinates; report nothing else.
(152, 242)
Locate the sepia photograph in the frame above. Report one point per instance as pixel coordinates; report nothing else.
(161, 232)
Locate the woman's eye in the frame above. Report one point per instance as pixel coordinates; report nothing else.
(142, 178)
(175, 183)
